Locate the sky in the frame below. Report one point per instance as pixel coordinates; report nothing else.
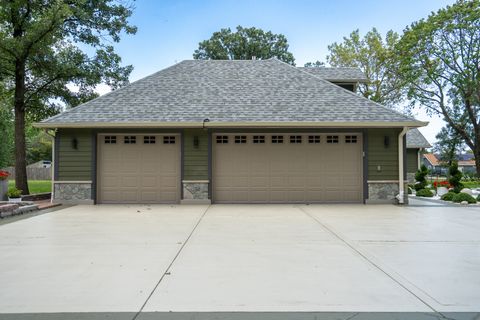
(169, 31)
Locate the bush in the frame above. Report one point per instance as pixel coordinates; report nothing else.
(448, 196)
(459, 197)
(409, 190)
(455, 177)
(14, 193)
(424, 193)
(420, 178)
(478, 197)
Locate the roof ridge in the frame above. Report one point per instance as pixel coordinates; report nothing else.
(350, 92)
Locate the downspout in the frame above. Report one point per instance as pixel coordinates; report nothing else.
(52, 163)
(401, 178)
(419, 158)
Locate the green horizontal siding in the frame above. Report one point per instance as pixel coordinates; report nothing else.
(381, 155)
(195, 159)
(74, 164)
(412, 160)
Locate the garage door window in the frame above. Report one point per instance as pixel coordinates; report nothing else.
(332, 139)
(350, 139)
(169, 140)
(313, 139)
(258, 139)
(240, 139)
(129, 139)
(110, 139)
(277, 139)
(149, 139)
(222, 139)
(295, 139)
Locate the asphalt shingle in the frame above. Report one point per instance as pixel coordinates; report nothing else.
(340, 74)
(230, 92)
(415, 139)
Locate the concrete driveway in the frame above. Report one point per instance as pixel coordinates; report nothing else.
(264, 261)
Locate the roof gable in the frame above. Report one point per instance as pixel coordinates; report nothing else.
(415, 139)
(338, 74)
(231, 92)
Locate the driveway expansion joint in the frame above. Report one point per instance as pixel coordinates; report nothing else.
(367, 257)
(167, 271)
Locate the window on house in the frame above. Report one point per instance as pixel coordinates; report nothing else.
(240, 139)
(350, 139)
(169, 140)
(258, 139)
(110, 139)
(129, 139)
(295, 139)
(332, 139)
(313, 139)
(222, 139)
(277, 139)
(149, 139)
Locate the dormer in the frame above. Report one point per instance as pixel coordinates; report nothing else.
(347, 78)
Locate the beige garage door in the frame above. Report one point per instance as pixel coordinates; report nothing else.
(270, 168)
(138, 168)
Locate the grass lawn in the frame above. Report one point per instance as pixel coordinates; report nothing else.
(35, 186)
(471, 184)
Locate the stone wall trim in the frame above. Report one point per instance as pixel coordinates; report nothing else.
(73, 192)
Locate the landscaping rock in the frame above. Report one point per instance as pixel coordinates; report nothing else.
(441, 191)
(465, 203)
(466, 190)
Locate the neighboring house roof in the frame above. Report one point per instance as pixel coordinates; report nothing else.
(432, 159)
(235, 93)
(466, 163)
(415, 139)
(338, 74)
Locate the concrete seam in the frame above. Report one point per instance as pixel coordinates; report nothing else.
(363, 255)
(171, 263)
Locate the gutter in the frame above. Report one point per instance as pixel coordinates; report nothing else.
(401, 177)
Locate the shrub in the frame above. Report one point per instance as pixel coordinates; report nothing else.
(459, 197)
(448, 196)
(420, 178)
(478, 197)
(424, 193)
(14, 193)
(409, 190)
(455, 177)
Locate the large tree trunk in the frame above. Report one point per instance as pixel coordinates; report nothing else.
(476, 153)
(20, 144)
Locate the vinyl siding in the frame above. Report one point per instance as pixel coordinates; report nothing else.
(412, 160)
(195, 159)
(74, 164)
(380, 155)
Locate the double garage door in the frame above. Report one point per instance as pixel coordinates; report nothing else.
(246, 168)
(287, 168)
(138, 168)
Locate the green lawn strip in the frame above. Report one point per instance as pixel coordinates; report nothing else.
(35, 186)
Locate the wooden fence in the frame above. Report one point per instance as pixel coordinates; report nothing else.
(32, 173)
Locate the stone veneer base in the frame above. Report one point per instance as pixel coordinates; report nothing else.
(384, 193)
(77, 192)
(194, 191)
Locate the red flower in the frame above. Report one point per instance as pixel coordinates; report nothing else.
(4, 175)
(444, 183)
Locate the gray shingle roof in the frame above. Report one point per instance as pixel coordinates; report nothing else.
(415, 139)
(229, 92)
(338, 74)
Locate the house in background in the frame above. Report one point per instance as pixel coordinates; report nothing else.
(466, 164)
(432, 163)
(416, 145)
(258, 131)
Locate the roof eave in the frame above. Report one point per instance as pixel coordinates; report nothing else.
(213, 124)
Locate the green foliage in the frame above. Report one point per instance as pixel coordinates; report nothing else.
(316, 64)
(448, 196)
(244, 44)
(439, 59)
(410, 190)
(6, 136)
(420, 178)
(455, 176)
(449, 144)
(375, 57)
(478, 197)
(36, 186)
(459, 197)
(39, 145)
(424, 193)
(14, 193)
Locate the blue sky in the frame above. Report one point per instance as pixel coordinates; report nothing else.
(169, 31)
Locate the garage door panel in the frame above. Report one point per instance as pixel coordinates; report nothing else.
(306, 171)
(138, 172)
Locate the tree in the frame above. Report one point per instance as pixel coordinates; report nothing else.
(42, 65)
(376, 58)
(449, 144)
(316, 64)
(440, 62)
(420, 178)
(6, 136)
(244, 44)
(455, 177)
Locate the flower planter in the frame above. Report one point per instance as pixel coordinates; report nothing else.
(3, 189)
(14, 200)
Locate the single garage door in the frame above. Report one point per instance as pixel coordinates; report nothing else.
(138, 168)
(287, 168)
